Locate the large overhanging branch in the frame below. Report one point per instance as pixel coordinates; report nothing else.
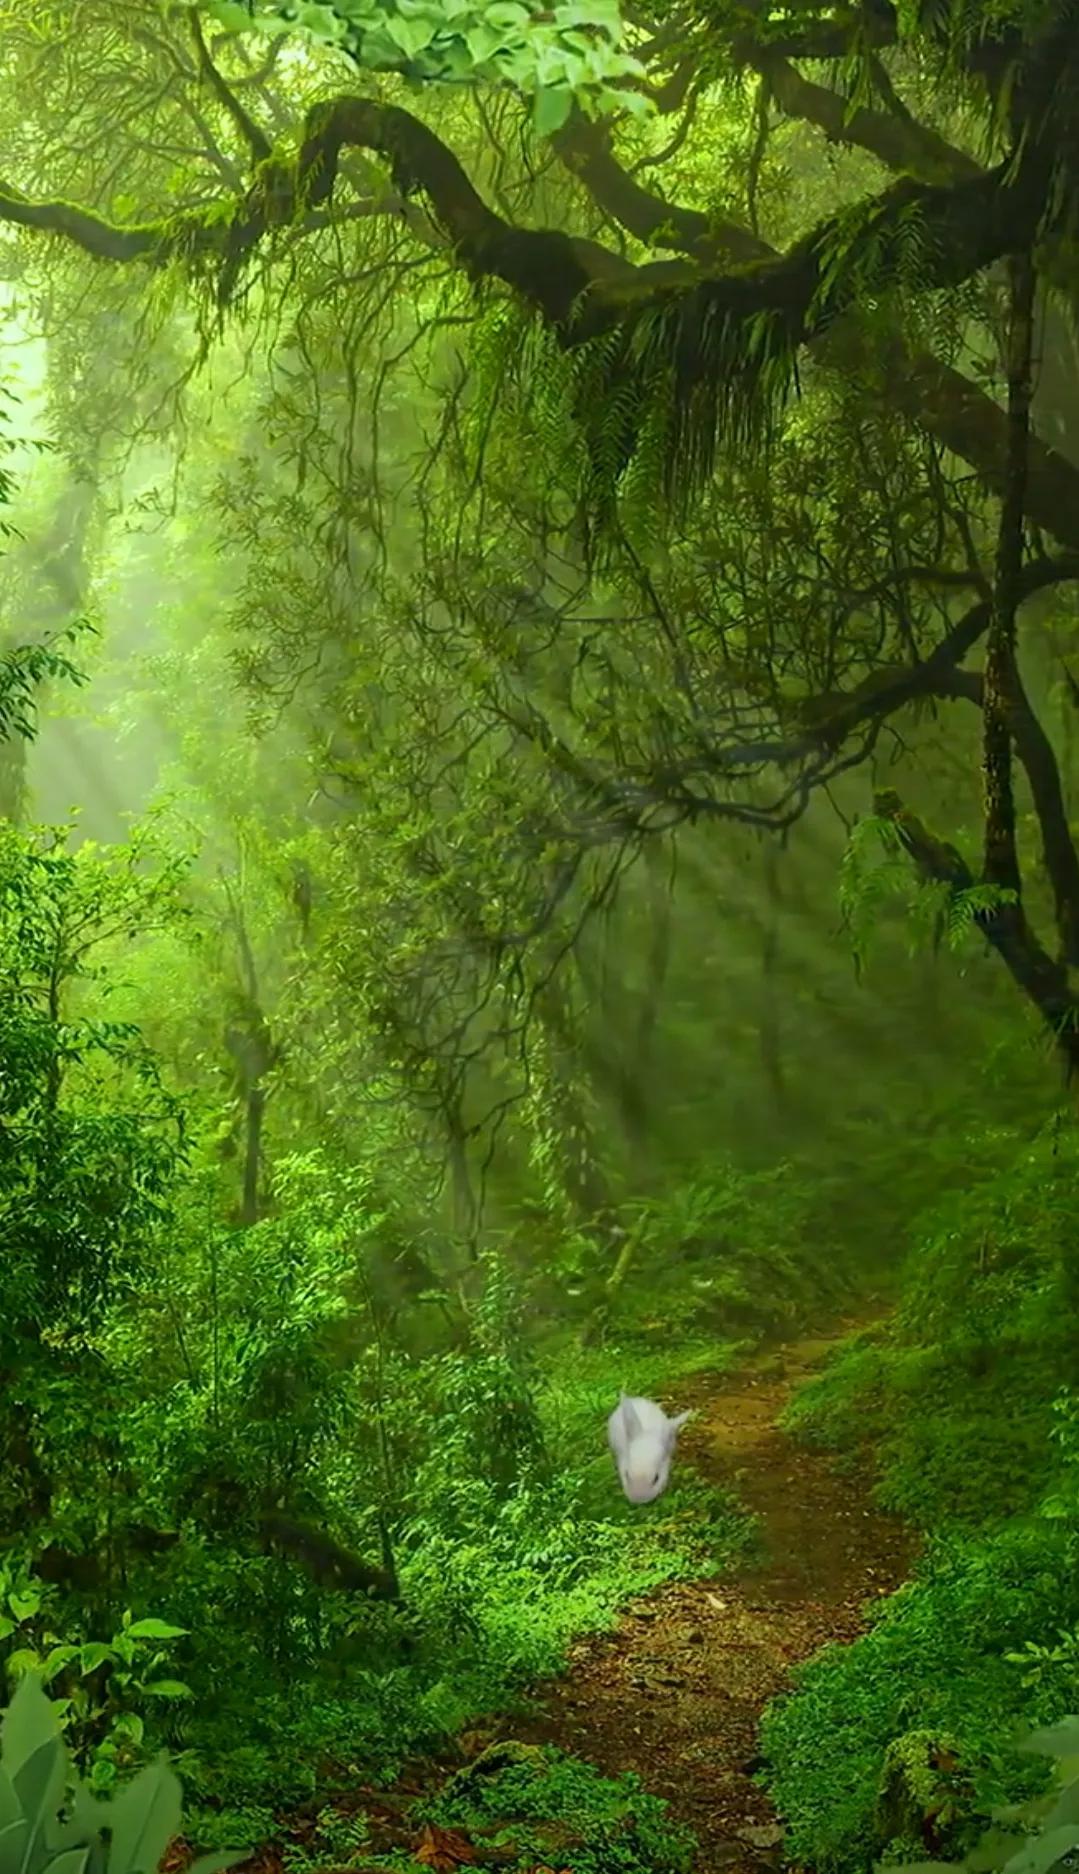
(939, 399)
(715, 334)
(878, 27)
(578, 287)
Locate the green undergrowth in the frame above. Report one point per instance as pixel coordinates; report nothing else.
(937, 1676)
(969, 1398)
(519, 1806)
(554, 1810)
(495, 1584)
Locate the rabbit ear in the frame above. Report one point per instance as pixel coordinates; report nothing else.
(675, 1424)
(630, 1422)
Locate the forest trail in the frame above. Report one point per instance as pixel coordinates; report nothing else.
(677, 1689)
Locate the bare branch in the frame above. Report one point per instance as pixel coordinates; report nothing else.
(257, 141)
(900, 142)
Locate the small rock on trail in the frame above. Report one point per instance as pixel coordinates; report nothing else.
(676, 1691)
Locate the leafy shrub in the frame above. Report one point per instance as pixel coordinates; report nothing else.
(939, 1663)
(555, 1810)
(1036, 1836)
(51, 1822)
(101, 1691)
(958, 1394)
(727, 1252)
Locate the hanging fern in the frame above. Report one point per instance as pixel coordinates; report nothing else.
(875, 871)
(872, 872)
(966, 909)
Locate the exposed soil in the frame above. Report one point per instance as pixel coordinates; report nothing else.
(677, 1690)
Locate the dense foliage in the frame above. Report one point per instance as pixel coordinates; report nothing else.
(537, 766)
(968, 1397)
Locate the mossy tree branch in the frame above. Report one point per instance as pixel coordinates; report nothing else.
(897, 139)
(727, 340)
(930, 393)
(966, 224)
(1042, 978)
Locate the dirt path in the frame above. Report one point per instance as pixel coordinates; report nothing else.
(677, 1690)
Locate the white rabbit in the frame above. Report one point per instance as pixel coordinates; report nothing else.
(642, 1440)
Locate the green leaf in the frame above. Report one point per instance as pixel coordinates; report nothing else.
(411, 36)
(213, 1863)
(93, 1655)
(551, 108)
(167, 1688)
(55, 1660)
(129, 1724)
(1066, 1807)
(232, 15)
(10, 1806)
(144, 1819)
(152, 1629)
(14, 1841)
(23, 1660)
(1042, 1852)
(1056, 1740)
(483, 42)
(35, 1760)
(72, 1861)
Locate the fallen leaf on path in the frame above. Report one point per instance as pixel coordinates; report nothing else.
(765, 1835)
(443, 1849)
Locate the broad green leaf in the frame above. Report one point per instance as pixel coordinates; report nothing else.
(144, 1819)
(483, 41)
(88, 1815)
(411, 36)
(94, 1654)
(72, 1861)
(995, 1849)
(14, 1842)
(10, 1806)
(1042, 1852)
(153, 1629)
(1055, 1740)
(551, 108)
(34, 1756)
(213, 1863)
(167, 1688)
(1066, 1807)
